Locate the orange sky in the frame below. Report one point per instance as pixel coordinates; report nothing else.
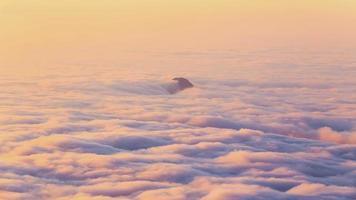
(35, 32)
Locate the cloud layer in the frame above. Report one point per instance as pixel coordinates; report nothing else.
(66, 137)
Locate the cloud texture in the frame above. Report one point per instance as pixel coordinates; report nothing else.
(107, 137)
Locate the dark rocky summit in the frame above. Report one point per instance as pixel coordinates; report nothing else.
(183, 83)
(179, 85)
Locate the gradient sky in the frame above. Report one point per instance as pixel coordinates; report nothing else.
(37, 32)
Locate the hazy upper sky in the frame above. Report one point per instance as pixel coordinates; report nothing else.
(38, 32)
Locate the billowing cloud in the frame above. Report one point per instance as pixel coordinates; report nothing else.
(236, 137)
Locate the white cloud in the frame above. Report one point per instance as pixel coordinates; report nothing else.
(94, 137)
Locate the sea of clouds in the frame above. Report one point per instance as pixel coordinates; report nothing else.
(277, 132)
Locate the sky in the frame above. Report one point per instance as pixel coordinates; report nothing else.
(87, 112)
(42, 33)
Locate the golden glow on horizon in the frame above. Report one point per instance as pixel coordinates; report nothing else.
(37, 30)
